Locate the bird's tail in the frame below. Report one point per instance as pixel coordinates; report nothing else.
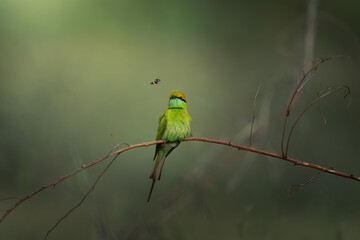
(156, 174)
(151, 189)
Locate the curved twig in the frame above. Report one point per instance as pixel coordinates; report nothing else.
(298, 186)
(329, 92)
(300, 85)
(83, 199)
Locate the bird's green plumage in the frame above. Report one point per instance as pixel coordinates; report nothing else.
(174, 126)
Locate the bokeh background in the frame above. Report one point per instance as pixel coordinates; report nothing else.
(75, 81)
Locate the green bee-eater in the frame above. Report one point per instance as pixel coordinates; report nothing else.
(174, 126)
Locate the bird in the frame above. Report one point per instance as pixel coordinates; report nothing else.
(174, 125)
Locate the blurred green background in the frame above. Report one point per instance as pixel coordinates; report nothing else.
(74, 72)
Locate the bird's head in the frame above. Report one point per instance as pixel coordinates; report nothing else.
(177, 99)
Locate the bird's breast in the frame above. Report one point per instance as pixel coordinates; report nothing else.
(178, 127)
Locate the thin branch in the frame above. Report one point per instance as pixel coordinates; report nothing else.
(275, 155)
(300, 85)
(323, 118)
(253, 116)
(83, 199)
(85, 166)
(112, 136)
(8, 198)
(222, 142)
(296, 187)
(329, 92)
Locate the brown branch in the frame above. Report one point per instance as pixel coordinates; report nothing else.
(53, 184)
(275, 155)
(329, 92)
(222, 142)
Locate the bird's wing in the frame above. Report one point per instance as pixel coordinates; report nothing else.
(160, 133)
(162, 127)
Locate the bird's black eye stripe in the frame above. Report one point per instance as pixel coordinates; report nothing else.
(175, 97)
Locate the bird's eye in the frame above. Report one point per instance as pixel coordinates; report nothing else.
(176, 97)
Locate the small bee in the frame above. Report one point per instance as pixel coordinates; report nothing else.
(155, 82)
